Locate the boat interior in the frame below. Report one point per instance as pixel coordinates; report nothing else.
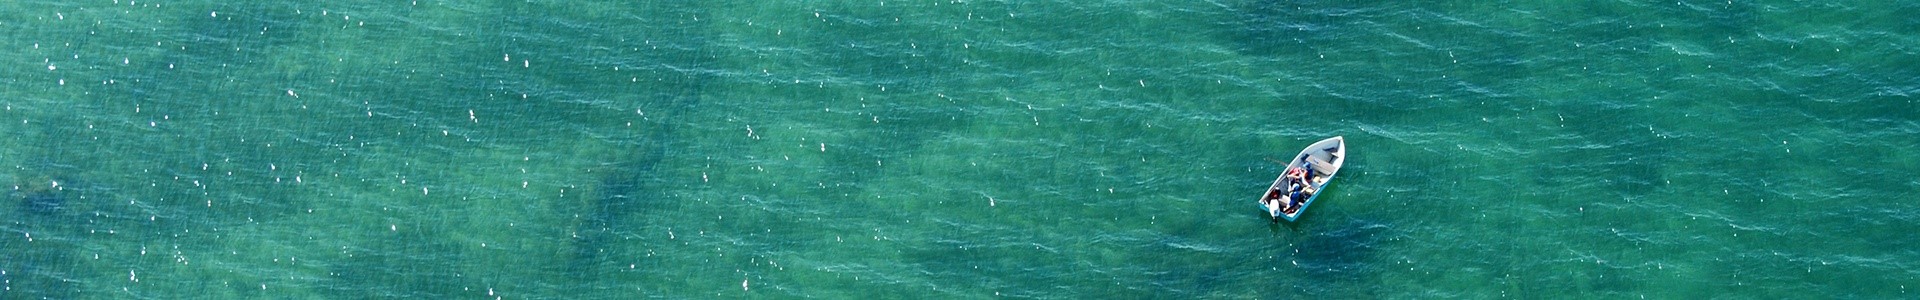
(1324, 161)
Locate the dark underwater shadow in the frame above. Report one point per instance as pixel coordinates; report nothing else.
(41, 201)
(629, 188)
(624, 193)
(40, 256)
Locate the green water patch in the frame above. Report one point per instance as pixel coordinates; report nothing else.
(1288, 29)
(957, 149)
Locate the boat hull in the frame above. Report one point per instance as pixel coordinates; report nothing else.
(1325, 158)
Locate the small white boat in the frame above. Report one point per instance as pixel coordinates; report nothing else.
(1306, 175)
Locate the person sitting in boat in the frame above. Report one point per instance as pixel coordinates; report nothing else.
(1272, 200)
(1293, 186)
(1299, 196)
(1292, 201)
(1306, 170)
(1295, 177)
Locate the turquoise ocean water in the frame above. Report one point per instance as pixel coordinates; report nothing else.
(956, 149)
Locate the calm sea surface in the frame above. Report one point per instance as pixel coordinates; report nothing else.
(956, 149)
